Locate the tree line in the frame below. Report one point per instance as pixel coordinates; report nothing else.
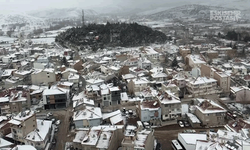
(111, 34)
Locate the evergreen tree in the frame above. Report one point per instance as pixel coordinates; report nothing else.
(174, 63)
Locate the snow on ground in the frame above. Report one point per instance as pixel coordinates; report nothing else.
(43, 40)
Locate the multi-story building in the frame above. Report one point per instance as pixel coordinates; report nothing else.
(170, 86)
(24, 75)
(195, 60)
(46, 76)
(137, 85)
(87, 117)
(99, 138)
(150, 111)
(54, 98)
(184, 51)
(25, 128)
(22, 125)
(223, 79)
(140, 139)
(210, 113)
(170, 107)
(202, 86)
(14, 100)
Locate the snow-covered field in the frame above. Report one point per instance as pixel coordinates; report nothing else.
(5, 38)
(43, 40)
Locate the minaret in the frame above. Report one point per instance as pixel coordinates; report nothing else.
(83, 18)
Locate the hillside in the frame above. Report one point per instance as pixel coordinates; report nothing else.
(63, 13)
(21, 18)
(119, 34)
(186, 11)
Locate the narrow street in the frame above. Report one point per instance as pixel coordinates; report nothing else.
(63, 129)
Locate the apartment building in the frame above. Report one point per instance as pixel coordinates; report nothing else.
(26, 129)
(14, 100)
(210, 113)
(55, 98)
(45, 76)
(223, 79)
(202, 86)
(87, 117)
(150, 111)
(137, 85)
(99, 137)
(137, 138)
(22, 125)
(170, 106)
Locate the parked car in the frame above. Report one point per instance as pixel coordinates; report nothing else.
(181, 124)
(58, 122)
(53, 120)
(186, 123)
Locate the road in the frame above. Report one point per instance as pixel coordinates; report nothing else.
(63, 129)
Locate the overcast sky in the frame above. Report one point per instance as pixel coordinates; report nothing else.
(27, 5)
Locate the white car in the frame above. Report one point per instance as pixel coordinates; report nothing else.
(58, 122)
(181, 124)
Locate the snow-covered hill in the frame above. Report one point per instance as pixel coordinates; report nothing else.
(62, 13)
(186, 11)
(20, 18)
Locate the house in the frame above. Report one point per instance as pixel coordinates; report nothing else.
(41, 62)
(25, 76)
(138, 138)
(25, 128)
(4, 126)
(241, 94)
(188, 140)
(45, 76)
(77, 65)
(6, 145)
(144, 63)
(202, 86)
(150, 111)
(170, 86)
(171, 108)
(225, 52)
(14, 100)
(239, 69)
(54, 98)
(137, 85)
(80, 100)
(12, 81)
(150, 52)
(193, 120)
(67, 72)
(184, 51)
(157, 75)
(7, 73)
(87, 117)
(40, 136)
(223, 79)
(22, 124)
(99, 137)
(210, 113)
(115, 95)
(194, 60)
